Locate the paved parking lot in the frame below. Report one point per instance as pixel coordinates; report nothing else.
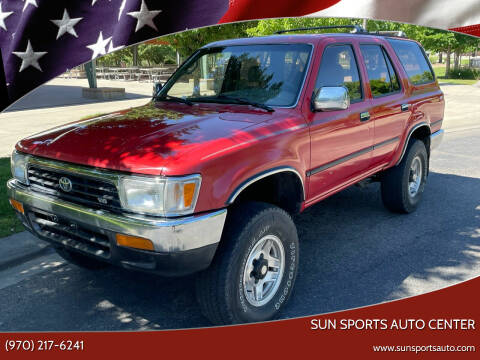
(59, 102)
(353, 253)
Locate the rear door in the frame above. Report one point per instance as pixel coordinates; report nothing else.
(340, 140)
(390, 107)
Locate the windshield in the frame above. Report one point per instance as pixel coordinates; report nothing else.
(265, 74)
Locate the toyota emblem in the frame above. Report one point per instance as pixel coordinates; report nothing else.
(65, 184)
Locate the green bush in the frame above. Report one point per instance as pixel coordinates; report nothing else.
(465, 73)
(9, 223)
(170, 62)
(156, 54)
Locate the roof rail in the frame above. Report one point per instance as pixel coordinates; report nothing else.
(356, 29)
(392, 33)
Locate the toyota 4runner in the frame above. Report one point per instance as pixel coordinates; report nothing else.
(205, 177)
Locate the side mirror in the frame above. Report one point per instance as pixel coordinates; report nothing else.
(156, 88)
(330, 98)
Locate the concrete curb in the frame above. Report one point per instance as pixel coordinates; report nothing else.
(19, 248)
(23, 259)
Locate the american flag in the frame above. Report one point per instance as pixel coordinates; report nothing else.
(41, 39)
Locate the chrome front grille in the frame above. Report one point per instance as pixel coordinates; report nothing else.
(91, 192)
(70, 234)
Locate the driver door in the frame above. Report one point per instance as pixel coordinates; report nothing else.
(341, 140)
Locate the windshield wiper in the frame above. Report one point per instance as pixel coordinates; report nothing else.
(244, 101)
(174, 98)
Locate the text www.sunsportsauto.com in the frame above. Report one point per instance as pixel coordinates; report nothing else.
(423, 348)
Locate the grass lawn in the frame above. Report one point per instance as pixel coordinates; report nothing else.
(92, 116)
(457, 81)
(440, 72)
(9, 223)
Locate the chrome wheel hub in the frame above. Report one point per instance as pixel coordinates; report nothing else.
(264, 270)
(415, 177)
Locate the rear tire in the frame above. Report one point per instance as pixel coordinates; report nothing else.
(254, 269)
(403, 185)
(80, 260)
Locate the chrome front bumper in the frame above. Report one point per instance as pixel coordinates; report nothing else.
(175, 237)
(436, 138)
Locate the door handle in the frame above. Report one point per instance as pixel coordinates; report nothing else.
(405, 107)
(365, 116)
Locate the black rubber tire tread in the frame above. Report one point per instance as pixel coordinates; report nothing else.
(394, 185)
(80, 260)
(212, 286)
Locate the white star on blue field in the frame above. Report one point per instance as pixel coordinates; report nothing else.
(41, 39)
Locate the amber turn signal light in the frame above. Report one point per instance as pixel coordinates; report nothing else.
(17, 206)
(188, 193)
(134, 242)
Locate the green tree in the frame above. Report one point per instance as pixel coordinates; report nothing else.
(448, 42)
(116, 58)
(156, 54)
(188, 41)
(463, 44)
(434, 40)
(270, 26)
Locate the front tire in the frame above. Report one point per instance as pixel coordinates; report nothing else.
(254, 269)
(403, 185)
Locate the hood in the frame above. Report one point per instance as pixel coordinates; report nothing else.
(142, 139)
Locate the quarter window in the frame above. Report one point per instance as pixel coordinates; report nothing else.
(413, 61)
(339, 68)
(391, 71)
(381, 74)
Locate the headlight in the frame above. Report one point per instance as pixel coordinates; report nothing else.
(18, 163)
(160, 196)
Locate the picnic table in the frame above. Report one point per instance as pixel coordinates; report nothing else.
(153, 74)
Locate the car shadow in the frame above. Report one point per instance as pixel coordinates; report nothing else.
(352, 253)
(355, 253)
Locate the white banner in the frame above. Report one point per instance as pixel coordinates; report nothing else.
(443, 14)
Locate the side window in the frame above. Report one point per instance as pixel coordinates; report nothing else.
(381, 74)
(413, 60)
(339, 68)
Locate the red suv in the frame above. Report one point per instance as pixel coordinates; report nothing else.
(205, 177)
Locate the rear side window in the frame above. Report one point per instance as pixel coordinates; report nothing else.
(381, 74)
(339, 68)
(414, 61)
